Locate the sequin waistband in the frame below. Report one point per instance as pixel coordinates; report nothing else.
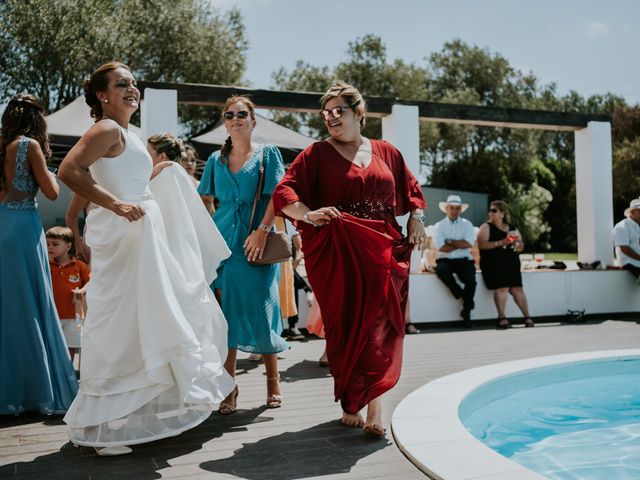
(370, 209)
(27, 204)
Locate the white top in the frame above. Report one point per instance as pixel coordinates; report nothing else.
(459, 229)
(627, 232)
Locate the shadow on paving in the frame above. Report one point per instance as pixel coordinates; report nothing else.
(304, 370)
(7, 421)
(244, 366)
(71, 463)
(326, 449)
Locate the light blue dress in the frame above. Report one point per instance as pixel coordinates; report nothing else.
(36, 373)
(250, 300)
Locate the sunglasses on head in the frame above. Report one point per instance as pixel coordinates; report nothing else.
(494, 210)
(231, 115)
(335, 112)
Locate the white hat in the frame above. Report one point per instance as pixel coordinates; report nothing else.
(633, 205)
(454, 200)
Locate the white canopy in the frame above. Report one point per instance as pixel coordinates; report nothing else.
(74, 120)
(266, 131)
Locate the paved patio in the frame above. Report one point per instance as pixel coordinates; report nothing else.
(304, 438)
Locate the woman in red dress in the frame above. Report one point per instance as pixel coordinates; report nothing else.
(344, 194)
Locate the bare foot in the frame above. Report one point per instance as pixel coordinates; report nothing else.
(353, 420)
(373, 424)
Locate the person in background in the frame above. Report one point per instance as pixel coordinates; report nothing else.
(500, 243)
(288, 280)
(190, 162)
(344, 194)
(36, 373)
(166, 147)
(70, 278)
(626, 239)
(248, 294)
(454, 237)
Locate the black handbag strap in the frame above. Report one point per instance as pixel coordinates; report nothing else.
(260, 184)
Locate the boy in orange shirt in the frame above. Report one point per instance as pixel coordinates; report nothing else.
(70, 277)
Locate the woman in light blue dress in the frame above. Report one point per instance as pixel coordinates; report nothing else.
(36, 373)
(248, 294)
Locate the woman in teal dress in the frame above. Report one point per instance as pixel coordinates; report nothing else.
(248, 294)
(36, 373)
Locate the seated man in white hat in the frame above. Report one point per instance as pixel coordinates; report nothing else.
(626, 238)
(454, 237)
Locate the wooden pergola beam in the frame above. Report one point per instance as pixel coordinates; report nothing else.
(308, 102)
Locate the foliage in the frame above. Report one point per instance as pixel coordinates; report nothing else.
(50, 46)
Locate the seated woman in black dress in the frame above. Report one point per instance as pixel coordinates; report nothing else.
(500, 243)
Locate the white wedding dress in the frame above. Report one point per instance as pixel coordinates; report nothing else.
(155, 338)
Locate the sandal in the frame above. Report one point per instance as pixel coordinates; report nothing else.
(228, 405)
(275, 400)
(529, 323)
(503, 323)
(374, 429)
(113, 451)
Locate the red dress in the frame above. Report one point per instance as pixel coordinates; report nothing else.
(358, 265)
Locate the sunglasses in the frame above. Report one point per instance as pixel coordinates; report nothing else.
(494, 210)
(231, 115)
(336, 112)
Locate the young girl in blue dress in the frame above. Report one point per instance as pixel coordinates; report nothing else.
(36, 373)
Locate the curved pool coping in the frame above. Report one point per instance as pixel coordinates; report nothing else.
(434, 438)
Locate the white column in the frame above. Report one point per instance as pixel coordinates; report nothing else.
(594, 192)
(402, 130)
(159, 112)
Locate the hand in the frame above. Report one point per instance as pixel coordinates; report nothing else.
(158, 167)
(83, 252)
(324, 215)
(130, 211)
(416, 233)
(78, 295)
(254, 245)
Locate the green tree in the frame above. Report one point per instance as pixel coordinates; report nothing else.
(50, 46)
(366, 67)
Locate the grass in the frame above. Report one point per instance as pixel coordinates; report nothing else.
(559, 256)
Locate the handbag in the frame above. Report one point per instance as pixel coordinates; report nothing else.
(278, 246)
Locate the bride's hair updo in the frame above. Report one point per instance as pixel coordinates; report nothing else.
(98, 82)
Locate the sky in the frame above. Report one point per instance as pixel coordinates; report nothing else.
(583, 45)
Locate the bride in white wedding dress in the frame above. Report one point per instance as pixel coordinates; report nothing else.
(155, 338)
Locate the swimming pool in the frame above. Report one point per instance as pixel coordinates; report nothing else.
(544, 438)
(580, 420)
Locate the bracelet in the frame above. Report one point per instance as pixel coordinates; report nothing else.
(418, 216)
(264, 226)
(306, 218)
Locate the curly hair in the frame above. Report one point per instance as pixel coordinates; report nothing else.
(24, 115)
(228, 145)
(98, 82)
(171, 146)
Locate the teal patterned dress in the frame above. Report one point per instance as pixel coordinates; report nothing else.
(250, 300)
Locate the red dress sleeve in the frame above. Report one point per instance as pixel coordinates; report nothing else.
(408, 191)
(297, 184)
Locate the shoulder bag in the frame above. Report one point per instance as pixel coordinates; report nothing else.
(278, 246)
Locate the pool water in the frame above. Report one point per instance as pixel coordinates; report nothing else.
(572, 421)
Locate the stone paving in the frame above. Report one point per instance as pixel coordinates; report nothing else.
(304, 438)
